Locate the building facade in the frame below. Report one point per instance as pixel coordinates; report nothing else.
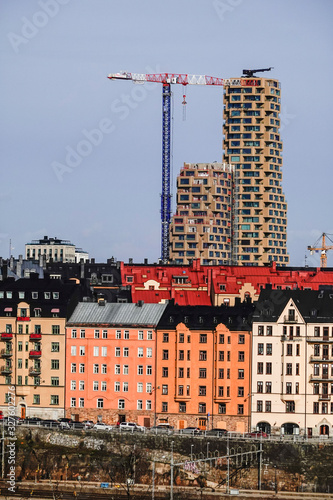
(33, 315)
(111, 351)
(202, 225)
(203, 367)
(54, 249)
(292, 363)
(252, 144)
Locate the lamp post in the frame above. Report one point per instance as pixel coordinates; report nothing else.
(192, 452)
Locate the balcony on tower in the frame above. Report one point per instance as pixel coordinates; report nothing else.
(6, 370)
(35, 371)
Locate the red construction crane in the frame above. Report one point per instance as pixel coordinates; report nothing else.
(183, 79)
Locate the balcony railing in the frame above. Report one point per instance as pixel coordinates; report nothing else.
(6, 370)
(6, 353)
(35, 354)
(35, 336)
(23, 318)
(6, 336)
(290, 319)
(34, 371)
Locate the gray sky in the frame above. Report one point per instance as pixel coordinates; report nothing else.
(56, 101)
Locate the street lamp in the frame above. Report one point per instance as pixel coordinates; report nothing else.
(192, 452)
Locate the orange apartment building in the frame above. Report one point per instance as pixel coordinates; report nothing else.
(33, 315)
(110, 362)
(203, 358)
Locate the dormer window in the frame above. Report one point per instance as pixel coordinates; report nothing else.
(56, 295)
(21, 295)
(47, 295)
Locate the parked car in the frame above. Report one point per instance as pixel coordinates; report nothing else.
(195, 431)
(54, 424)
(65, 423)
(101, 426)
(88, 424)
(162, 429)
(77, 425)
(257, 434)
(217, 432)
(130, 426)
(33, 421)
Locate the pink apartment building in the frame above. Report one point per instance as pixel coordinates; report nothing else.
(110, 362)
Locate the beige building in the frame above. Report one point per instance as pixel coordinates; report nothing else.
(33, 314)
(252, 143)
(202, 225)
(292, 363)
(55, 249)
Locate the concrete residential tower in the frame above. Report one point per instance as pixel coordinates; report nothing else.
(253, 145)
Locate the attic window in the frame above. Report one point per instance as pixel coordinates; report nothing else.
(222, 288)
(129, 279)
(215, 320)
(201, 320)
(313, 312)
(171, 319)
(185, 319)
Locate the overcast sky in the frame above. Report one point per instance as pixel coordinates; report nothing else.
(81, 155)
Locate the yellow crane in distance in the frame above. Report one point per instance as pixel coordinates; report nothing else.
(316, 247)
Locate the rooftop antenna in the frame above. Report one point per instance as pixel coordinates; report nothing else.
(250, 72)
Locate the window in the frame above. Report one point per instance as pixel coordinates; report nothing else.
(118, 334)
(140, 369)
(117, 352)
(203, 338)
(55, 330)
(289, 369)
(202, 372)
(221, 391)
(82, 334)
(96, 351)
(268, 406)
(73, 402)
(149, 335)
(181, 355)
(95, 385)
(81, 367)
(180, 390)
(125, 352)
(202, 390)
(82, 350)
(269, 330)
(202, 408)
(241, 339)
(222, 408)
(54, 400)
(288, 388)
(165, 337)
(240, 392)
(149, 352)
(221, 372)
(240, 373)
(240, 409)
(241, 356)
(20, 346)
(73, 367)
(104, 351)
(54, 364)
(139, 404)
(269, 349)
(103, 368)
(149, 387)
(126, 334)
(140, 387)
(182, 407)
(164, 389)
(260, 349)
(290, 406)
(202, 355)
(181, 372)
(55, 347)
(260, 387)
(165, 371)
(96, 368)
(55, 381)
(81, 402)
(36, 399)
(100, 403)
(149, 370)
(164, 407)
(103, 386)
(297, 369)
(73, 350)
(268, 387)
(315, 407)
(117, 387)
(181, 338)
(260, 330)
(81, 385)
(148, 404)
(125, 386)
(289, 350)
(221, 338)
(259, 406)
(125, 370)
(96, 334)
(221, 355)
